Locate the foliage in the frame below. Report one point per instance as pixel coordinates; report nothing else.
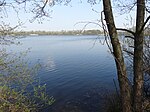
(18, 88)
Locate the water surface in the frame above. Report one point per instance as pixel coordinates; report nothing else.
(77, 70)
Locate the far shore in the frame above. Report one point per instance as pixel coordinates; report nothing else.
(73, 32)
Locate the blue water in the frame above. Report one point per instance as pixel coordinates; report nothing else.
(78, 70)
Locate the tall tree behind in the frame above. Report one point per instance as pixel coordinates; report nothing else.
(138, 57)
(117, 52)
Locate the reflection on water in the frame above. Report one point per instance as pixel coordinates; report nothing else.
(49, 64)
(78, 70)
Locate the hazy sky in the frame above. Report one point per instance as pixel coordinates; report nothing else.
(65, 17)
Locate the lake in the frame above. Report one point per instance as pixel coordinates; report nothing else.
(78, 70)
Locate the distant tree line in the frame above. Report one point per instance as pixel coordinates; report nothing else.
(63, 32)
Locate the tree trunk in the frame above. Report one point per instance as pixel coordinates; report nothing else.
(121, 68)
(138, 57)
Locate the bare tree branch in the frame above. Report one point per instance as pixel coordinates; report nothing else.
(129, 37)
(2, 3)
(144, 24)
(87, 23)
(128, 52)
(129, 31)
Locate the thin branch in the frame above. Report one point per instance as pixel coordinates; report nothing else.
(86, 24)
(144, 25)
(2, 3)
(106, 33)
(129, 31)
(129, 37)
(128, 52)
(147, 10)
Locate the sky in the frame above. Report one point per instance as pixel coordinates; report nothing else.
(71, 17)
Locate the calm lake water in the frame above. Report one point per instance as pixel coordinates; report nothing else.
(78, 70)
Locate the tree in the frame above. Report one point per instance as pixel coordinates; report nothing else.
(138, 57)
(138, 37)
(117, 52)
